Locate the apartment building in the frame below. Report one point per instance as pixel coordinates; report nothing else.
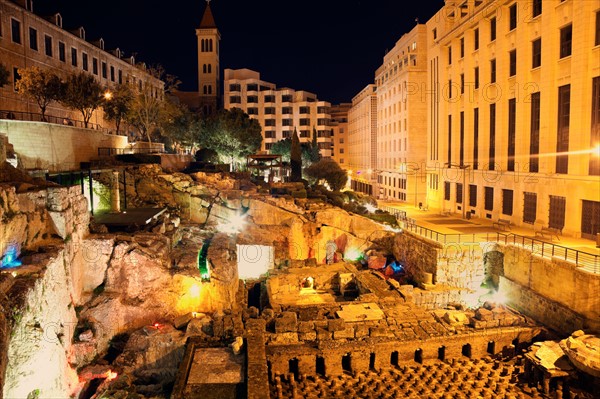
(513, 112)
(362, 141)
(402, 118)
(27, 39)
(339, 132)
(278, 110)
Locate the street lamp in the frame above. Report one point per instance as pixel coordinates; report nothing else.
(464, 168)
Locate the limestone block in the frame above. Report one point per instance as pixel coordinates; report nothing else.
(336, 325)
(307, 336)
(484, 314)
(306, 326)
(82, 353)
(347, 333)
(284, 338)
(361, 331)
(288, 322)
(57, 199)
(62, 222)
(323, 334)
(95, 254)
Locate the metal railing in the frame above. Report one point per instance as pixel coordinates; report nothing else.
(36, 117)
(109, 151)
(581, 259)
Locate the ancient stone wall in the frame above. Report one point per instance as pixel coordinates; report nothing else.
(551, 281)
(56, 147)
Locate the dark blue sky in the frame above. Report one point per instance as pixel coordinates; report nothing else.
(328, 47)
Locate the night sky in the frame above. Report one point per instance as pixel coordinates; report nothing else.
(329, 47)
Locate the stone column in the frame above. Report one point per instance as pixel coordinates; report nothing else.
(115, 198)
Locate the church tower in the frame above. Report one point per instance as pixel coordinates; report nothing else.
(209, 79)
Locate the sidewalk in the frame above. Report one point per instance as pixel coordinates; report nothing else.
(581, 251)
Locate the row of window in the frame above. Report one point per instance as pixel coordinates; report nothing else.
(557, 203)
(562, 140)
(270, 98)
(271, 134)
(97, 68)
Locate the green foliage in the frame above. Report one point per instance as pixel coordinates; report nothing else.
(207, 155)
(232, 134)
(4, 75)
(296, 158)
(41, 85)
(283, 148)
(118, 104)
(330, 171)
(145, 112)
(179, 124)
(314, 154)
(81, 92)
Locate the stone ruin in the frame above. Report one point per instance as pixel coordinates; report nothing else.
(279, 307)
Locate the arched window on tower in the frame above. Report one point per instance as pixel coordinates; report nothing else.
(202, 45)
(204, 68)
(209, 89)
(204, 90)
(210, 45)
(209, 68)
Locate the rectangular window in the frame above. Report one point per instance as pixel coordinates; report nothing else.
(84, 61)
(449, 139)
(476, 138)
(269, 122)
(62, 52)
(513, 63)
(269, 110)
(476, 72)
(235, 100)
(120, 74)
(562, 138)
(534, 133)
(287, 122)
(459, 193)
(270, 134)
(462, 47)
(252, 111)
(476, 38)
(597, 38)
(104, 70)
(492, 149)
(252, 87)
(286, 110)
(489, 198)
(566, 39)
(512, 14)
(529, 207)
(286, 98)
(304, 110)
(507, 202)
(235, 87)
(15, 27)
(33, 42)
(449, 89)
(252, 99)
(512, 126)
(536, 53)
(447, 190)
(304, 122)
(48, 45)
(112, 73)
(95, 66)
(472, 195)
(462, 83)
(594, 167)
(492, 29)
(461, 150)
(73, 56)
(556, 215)
(449, 55)
(493, 71)
(270, 98)
(434, 34)
(537, 8)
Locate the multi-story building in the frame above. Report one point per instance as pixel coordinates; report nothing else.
(279, 111)
(339, 133)
(514, 112)
(362, 141)
(402, 118)
(27, 39)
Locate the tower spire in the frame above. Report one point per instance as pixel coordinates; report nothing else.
(208, 21)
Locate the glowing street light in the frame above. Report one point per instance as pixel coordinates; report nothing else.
(108, 95)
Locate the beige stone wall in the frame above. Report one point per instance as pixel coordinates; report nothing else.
(552, 280)
(56, 147)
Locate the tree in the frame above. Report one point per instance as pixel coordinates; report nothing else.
(80, 91)
(330, 171)
(118, 104)
(233, 134)
(296, 158)
(313, 150)
(145, 112)
(41, 85)
(4, 75)
(282, 147)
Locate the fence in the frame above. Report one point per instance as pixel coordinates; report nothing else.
(35, 117)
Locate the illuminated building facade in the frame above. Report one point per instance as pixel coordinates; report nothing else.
(27, 40)
(513, 107)
(402, 118)
(362, 141)
(278, 110)
(339, 132)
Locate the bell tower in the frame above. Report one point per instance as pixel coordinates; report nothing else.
(209, 79)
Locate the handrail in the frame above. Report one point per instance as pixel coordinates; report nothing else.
(36, 117)
(109, 151)
(584, 260)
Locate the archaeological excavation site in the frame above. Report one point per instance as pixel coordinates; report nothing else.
(137, 282)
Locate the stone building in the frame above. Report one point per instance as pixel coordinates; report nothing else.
(513, 112)
(402, 118)
(27, 39)
(362, 140)
(278, 110)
